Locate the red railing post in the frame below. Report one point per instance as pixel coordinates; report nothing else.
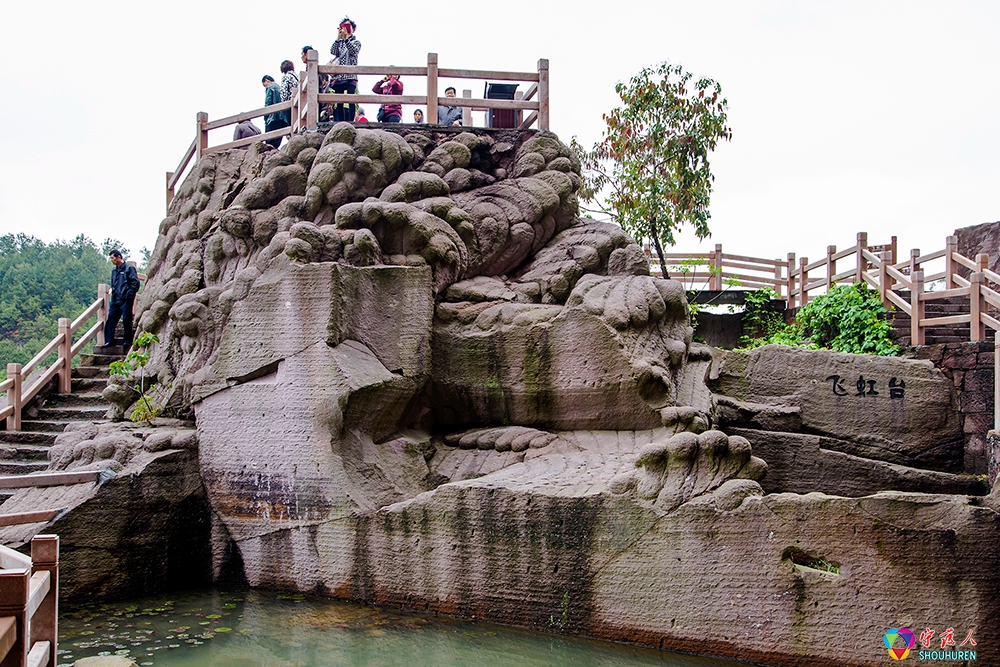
(950, 248)
(312, 89)
(831, 266)
(45, 622)
(200, 134)
(916, 308)
(432, 89)
(14, 397)
(716, 280)
(65, 359)
(791, 280)
(170, 190)
(102, 313)
(883, 276)
(803, 280)
(15, 587)
(543, 95)
(862, 262)
(977, 306)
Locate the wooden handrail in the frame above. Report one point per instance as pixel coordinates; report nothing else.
(86, 315)
(248, 115)
(40, 357)
(29, 592)
(49, 479)
(964, 261)
(771, 263)
(273, 134)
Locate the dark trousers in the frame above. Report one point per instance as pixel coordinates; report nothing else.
(344, 111)
(392, 119)
(119, 310)
(276, 124)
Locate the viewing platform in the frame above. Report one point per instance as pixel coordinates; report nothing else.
(305, 104)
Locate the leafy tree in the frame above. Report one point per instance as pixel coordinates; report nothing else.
(39, 283)
(654, 157)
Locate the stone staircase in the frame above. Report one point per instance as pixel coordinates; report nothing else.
(949, 333)
(26, 451)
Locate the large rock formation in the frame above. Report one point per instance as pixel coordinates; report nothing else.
(419, 378)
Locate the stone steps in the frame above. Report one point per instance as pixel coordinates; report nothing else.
(26, 451)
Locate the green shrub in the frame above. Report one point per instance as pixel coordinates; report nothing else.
(848, 318)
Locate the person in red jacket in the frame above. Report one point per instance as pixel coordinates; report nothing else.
(390, 85)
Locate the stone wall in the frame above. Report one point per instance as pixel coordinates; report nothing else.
(970, 367)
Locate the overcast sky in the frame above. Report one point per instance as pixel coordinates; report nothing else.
(847, 116)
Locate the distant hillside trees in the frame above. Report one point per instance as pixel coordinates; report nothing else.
(41, 282)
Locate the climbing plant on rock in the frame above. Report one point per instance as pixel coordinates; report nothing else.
(653, 161)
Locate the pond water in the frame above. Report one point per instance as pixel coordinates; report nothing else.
(255, 628)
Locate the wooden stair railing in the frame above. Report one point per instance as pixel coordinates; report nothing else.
(29, 604)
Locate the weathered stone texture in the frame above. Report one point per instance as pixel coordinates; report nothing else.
(820, 391)
(420, 379)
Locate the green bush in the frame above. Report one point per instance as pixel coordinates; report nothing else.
(848, 318)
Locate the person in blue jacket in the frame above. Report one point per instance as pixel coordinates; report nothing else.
(124, 287)
(277, 120)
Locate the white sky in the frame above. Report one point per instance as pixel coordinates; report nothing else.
(872, 115)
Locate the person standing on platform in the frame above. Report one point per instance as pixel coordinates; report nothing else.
(289, 82)
(390, 85)
(449, 115)
(273, 121)
(418, 116)
(345, 51)
(124, 287)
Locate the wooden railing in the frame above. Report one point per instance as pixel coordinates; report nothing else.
(18, 396)
(29, 604)
(906, 286)
(305, 104)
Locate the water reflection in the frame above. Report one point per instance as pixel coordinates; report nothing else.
(253, 628)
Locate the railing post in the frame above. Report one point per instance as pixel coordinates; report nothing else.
(432, 89)
(791, 280)
(312, 89)
(982, 262)
(14, 397)
(717, 268)
(467, 110)
(803, 280)
(914, 260)
(15, 587)
(45, 622)
(977, 306)
(543, 95)
(65, 356)
(777, 278)
(892, 247)
(102, 313)
(950, 248)
(831, 266)
(916, 308)
(862, 262)
(883, 276)
(200, 134)
(170, 190)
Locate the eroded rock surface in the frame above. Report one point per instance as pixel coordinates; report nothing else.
(418, 377)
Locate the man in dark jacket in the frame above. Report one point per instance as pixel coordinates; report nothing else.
(277, 120)
(124, 287)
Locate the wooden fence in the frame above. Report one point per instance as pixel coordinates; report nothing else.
(906, 286)
(29, 604)
(305, 104)
(18, 395)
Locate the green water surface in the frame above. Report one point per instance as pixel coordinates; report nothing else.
(254, 628)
